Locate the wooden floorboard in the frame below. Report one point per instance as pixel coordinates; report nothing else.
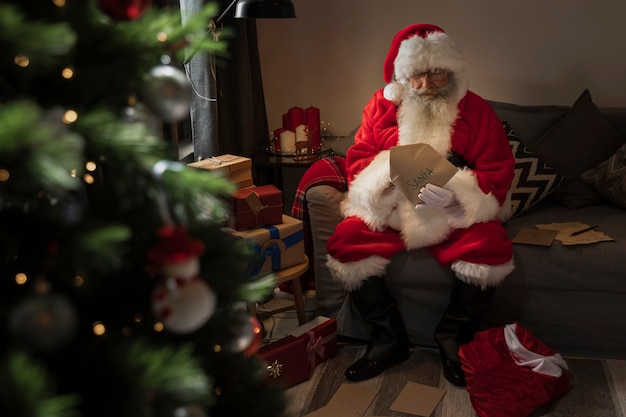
(597, 387)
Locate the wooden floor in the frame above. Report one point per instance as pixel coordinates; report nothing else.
(598, 386)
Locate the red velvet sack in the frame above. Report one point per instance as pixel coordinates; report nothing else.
(510, 373)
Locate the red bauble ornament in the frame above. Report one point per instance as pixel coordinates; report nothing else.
(125, 9)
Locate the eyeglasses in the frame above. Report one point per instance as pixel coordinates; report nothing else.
(435, 74)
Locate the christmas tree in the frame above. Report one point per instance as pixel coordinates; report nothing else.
(121, 292)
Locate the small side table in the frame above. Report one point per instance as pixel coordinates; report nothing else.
(284, 172)
(293, 274)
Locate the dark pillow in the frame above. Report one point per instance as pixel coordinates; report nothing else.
(609, 177)
(580, 140)
(534, 179)
(529, 122)
(576, 194)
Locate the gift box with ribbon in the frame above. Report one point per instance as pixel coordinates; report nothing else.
(320, 334)
(282, 245)
(257, 206)
(285, 361)
(238, 169)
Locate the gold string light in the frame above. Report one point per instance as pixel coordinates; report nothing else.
(98, 328)
(67, 73)
(89, 179)
(70, 116)
(21, 278)
(21, 60)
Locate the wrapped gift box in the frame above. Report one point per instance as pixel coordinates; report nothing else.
(320, 335)
(286, 361)
(282, 244)
(257, 206)
(238, 169)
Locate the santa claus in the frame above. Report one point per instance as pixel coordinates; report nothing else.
(426, 100)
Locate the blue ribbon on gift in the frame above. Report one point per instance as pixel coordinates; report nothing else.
(273, 251)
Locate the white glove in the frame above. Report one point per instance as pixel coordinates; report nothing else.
(435, 196)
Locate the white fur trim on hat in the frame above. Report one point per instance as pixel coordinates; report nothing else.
(435, 50)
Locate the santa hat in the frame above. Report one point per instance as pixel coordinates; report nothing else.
(416, 48)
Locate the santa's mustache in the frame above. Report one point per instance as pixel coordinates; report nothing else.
(434, 93)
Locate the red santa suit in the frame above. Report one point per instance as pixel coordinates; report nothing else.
(379, 221)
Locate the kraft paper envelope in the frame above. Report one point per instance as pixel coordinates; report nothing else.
(350, 400)
(418, 399)
(534, 236)
(414, 166)
(566, 233)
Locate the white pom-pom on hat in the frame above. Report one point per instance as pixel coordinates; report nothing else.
(394, 92)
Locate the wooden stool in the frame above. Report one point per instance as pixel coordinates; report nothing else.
(293, 274)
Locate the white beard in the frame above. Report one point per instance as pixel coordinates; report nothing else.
(428, 118)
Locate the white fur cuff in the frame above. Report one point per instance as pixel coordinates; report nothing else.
(352, 274)
(482, 275)
(477, 206)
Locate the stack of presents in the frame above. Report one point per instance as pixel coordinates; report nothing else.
(257, 217)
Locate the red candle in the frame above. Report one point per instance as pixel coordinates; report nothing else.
(286, 123)
(277, 133)
(296, 117)
(312, 120)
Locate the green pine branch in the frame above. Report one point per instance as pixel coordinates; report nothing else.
(26, 389)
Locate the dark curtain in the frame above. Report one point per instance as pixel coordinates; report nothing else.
(236, 121)
(242, 120)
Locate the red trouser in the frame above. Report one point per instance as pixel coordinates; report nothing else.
(481, 243)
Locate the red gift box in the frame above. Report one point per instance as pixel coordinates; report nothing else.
(320, 335)
(286, 361)
(257, 206)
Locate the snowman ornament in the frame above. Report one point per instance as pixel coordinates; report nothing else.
(182, 300)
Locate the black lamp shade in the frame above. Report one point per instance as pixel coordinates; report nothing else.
(261, 9)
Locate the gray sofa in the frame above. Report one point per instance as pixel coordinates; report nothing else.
(573, 298)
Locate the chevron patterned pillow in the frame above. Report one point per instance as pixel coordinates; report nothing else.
(534, 179)
(609, 177)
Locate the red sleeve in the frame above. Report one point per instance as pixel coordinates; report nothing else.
(483, 143)
(378, 131)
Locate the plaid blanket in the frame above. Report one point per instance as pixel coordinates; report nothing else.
(328, 171)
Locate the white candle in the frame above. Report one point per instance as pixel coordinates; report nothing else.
(288, 142)
(302, 139)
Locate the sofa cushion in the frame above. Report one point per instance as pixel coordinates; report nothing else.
(529, 122)
(341, 144)
(609, 177)
(534, 179)
(580, 140)
(576, 194)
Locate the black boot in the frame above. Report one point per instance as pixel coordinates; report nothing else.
(388, 343)
(467, 307)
